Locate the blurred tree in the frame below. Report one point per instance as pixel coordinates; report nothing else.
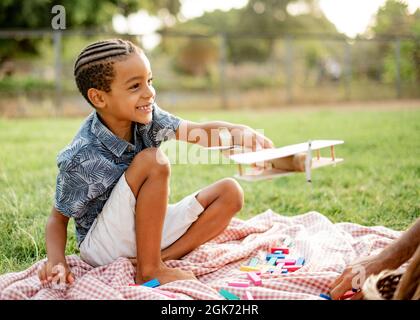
(259, 17)
(197, 57)
(415, 30)
(393, 19)
(36, 14)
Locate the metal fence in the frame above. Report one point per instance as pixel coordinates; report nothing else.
(295, 69)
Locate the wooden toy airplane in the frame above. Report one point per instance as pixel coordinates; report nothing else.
(278, 162)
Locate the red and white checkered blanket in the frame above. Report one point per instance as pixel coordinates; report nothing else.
(326, 247)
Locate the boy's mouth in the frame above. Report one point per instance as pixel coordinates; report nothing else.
(145, 108)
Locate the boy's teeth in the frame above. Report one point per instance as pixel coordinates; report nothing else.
(143, 108)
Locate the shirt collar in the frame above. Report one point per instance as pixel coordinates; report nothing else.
(113, 143)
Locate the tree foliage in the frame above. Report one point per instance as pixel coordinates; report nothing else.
(250, 30)
(393, 19)
(36, 14)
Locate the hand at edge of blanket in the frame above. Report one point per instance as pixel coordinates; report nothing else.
(393, 256)
(348, 279)
(276, 264)
(58, 274)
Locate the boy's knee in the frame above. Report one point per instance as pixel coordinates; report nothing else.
(154, 160)
(234, 194)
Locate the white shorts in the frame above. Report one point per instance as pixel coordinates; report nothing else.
(112, 234)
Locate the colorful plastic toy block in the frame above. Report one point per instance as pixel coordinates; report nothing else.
(254, 278)
(282, 249)
(325, 296)
(249, 268)
(152, 283)
(347, 295)
(292, 268)
(272, 261)
(274, 255)
(286, 262)
(253, 262)
(242, 284)
(228, 295)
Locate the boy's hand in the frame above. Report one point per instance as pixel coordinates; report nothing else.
(249, 138)
(58, 273)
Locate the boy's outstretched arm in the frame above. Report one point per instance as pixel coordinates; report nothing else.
(207, 134)
(56, 238)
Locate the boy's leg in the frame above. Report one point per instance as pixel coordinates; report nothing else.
(148, 178)
(221, 201)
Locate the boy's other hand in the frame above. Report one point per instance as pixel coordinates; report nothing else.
(58, 273)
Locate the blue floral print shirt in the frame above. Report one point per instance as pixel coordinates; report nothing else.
(90, 166)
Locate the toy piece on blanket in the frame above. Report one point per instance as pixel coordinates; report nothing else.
(228, 295)
(286, 262)
(248, 295)
(282, 249)
(292, 268)
(272, 261)
(242, 284)
(249, 268)
(275, 255)
(347, 295)
(152, 283)
(255, 278)
(276, 263)
(325, 296)
(253, 262)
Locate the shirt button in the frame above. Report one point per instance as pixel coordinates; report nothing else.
(129, 149)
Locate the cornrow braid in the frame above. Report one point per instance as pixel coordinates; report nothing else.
(93, 67)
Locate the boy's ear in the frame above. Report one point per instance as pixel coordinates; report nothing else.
(96, 97)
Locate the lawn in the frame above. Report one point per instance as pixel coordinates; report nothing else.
(377, 184)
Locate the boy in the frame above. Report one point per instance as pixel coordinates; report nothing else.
(114, 181)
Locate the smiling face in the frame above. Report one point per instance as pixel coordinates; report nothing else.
(132, 94)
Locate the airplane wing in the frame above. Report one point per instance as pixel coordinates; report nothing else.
(270, 154)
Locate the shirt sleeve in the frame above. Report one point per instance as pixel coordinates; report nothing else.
(80, 183)
(164, 126)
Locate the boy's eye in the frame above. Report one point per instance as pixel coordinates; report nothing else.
(150, 81)
(136, 86)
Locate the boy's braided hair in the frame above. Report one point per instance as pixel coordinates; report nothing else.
(93, 67)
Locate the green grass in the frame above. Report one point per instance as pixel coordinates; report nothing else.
(378, 183)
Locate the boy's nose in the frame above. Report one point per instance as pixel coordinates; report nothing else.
(150, 92)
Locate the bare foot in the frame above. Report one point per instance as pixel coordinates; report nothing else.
(165, 275)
